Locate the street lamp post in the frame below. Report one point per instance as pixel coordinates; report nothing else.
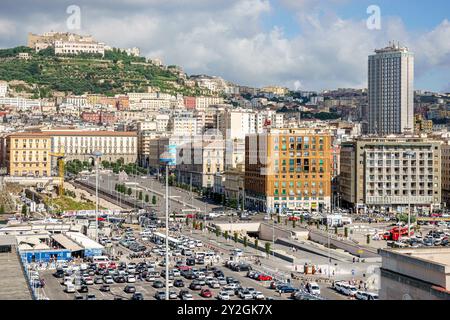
(97, 155)
(167, 231)
(166, 159)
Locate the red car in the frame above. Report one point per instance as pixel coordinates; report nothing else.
(112, 265)
(184, 268)
(190, 216)
(264, 277)
(206, 293)
(294, 218)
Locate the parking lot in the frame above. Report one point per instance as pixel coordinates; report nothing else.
(92, 280)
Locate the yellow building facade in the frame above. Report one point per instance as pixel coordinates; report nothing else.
(288, 169)
(28, 155)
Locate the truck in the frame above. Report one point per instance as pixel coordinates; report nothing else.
(396, 233)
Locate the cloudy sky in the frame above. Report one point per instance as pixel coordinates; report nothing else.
(301, 44)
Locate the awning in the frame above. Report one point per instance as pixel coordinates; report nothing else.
(66, 242)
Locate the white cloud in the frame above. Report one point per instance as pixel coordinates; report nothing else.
(228, 38)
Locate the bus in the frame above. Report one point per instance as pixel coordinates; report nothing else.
(102, 261)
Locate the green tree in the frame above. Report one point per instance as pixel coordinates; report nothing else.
(201, 226)
(335, 230)
(368, 239)
(217, 232)
(256, 243)
(267, 247)
(225, 235)
(2, 209)
(140, 195)
(154, 200)
(147, 198)
(346, 232)
(194, 224)
(129, 192)
(24, 209)
(293, 223)
(187, 222)
(235, 237)
(245, 242)
(278, 219)
(302, 219)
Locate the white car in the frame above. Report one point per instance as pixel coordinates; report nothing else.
(237, 252)
(349, 290)
(228, 290)
(245, 295)
(176, 273)
(214, 284)
(223, 295)
(258, 295)
(108, 280)
(314, 288)
(131, 279)
(233, 286)
(70, 288)
(361, 295)
(187, 296)
(89, 281)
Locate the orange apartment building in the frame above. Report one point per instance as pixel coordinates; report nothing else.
(288, 169)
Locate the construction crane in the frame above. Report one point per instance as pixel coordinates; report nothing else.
(61, 168)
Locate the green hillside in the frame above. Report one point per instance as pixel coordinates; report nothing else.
(113, 74)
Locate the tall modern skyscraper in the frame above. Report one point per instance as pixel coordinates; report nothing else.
(391, 90)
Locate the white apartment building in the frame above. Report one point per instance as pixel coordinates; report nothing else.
(77, 47)
(391, 173)
(201, 161)
(184, 124)
(202, 103)
(153, 104)
(391, 91)
(21, 103)
(236, 124)
(81, 145)
(79, 101)
(3, 89)
(162, 122)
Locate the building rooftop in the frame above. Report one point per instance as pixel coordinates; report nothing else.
(430, 265)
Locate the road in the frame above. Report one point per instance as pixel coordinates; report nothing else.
(179, 199)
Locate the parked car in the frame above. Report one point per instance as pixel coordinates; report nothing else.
(223, 295)
(313, 288)
(286, 289)
(129, 289)
(178, 283)
(206, 293)
(105, 288)
(245, 295)
(160, 295)
(137, 296)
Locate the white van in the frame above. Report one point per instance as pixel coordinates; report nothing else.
(198, 243)
(237, 252)
(314, 288)
(101, 260)
(70, 288)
